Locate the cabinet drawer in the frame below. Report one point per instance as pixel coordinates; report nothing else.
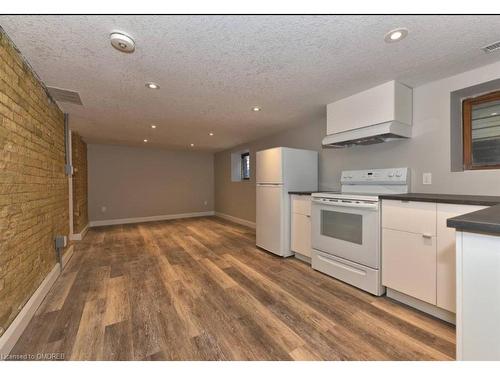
(408, 216)
(301, 234)
(409, 264)
(301, 204)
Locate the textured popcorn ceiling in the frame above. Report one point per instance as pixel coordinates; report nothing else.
(213, 69)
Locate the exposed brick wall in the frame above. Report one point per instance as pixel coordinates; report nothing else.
(33, 186)
(79, 158)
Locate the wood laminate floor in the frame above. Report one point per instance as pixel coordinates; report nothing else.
(199, 289)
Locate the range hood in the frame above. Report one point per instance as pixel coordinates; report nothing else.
(380, 114)
(369, 135)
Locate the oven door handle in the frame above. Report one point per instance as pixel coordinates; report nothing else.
(370, 206)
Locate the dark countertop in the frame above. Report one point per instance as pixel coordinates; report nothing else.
(485, 221)
(480, 200)
(310, 192)
(301, 192)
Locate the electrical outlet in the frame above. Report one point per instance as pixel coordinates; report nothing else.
(427, 178)
(103, 209)
(61, 241)
(205, 203)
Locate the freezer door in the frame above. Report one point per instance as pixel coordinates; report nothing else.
(269, 166)
(269, 226)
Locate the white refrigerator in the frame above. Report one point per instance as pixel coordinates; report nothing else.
(278, 171)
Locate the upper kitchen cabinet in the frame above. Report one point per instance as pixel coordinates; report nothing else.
(377, 115)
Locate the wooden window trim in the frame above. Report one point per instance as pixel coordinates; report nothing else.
(467, 129)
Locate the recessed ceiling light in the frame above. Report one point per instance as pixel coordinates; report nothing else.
(152, 85)
(153, 126)
(211, 134)
(494, 114)
(192, 145)
(145, 141)
(256, 109)
(396, 35)
(122, 42)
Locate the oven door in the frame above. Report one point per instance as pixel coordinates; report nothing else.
(351, 233)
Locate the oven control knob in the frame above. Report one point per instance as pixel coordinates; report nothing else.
(391, 174)
(398, 174)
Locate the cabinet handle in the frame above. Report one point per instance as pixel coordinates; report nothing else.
(425, 235)
(308, 215)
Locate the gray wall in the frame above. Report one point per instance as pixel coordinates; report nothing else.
(138, 182)
(238, 198)
(427, 151)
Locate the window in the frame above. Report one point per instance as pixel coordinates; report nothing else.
(245, 166)
(481, 131)
(240, 165)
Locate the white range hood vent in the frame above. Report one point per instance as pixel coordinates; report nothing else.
(380, 114)
(379, 133)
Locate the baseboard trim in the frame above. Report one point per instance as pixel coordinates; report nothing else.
(303, 258)
(17, 327)
(132, 220)
(435, 311)
(79, 236)
(235, 219)
(67, 256)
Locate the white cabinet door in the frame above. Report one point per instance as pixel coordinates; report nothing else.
(409, 264)
(269, 224)
(478, 326)
(301, 234)
(301, 204)
(387, 102)
(446, 282)
(269, 166)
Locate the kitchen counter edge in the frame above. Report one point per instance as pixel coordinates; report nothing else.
(485, 221)
(478, 200)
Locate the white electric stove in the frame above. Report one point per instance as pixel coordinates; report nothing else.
(346, 226)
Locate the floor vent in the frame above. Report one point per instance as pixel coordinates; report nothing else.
(62, 95)
(492, 47)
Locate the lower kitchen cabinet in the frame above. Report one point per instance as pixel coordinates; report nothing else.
(409, 264)
(301, 234)
(301, 225)
(478, 327)
(418, 253)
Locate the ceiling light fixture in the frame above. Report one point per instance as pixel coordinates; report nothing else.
(192, 145)
(396, 35)
(153, 126)
(256, 109)
(145, 141)
(211, 134)
(122, 42)
(152, 85)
